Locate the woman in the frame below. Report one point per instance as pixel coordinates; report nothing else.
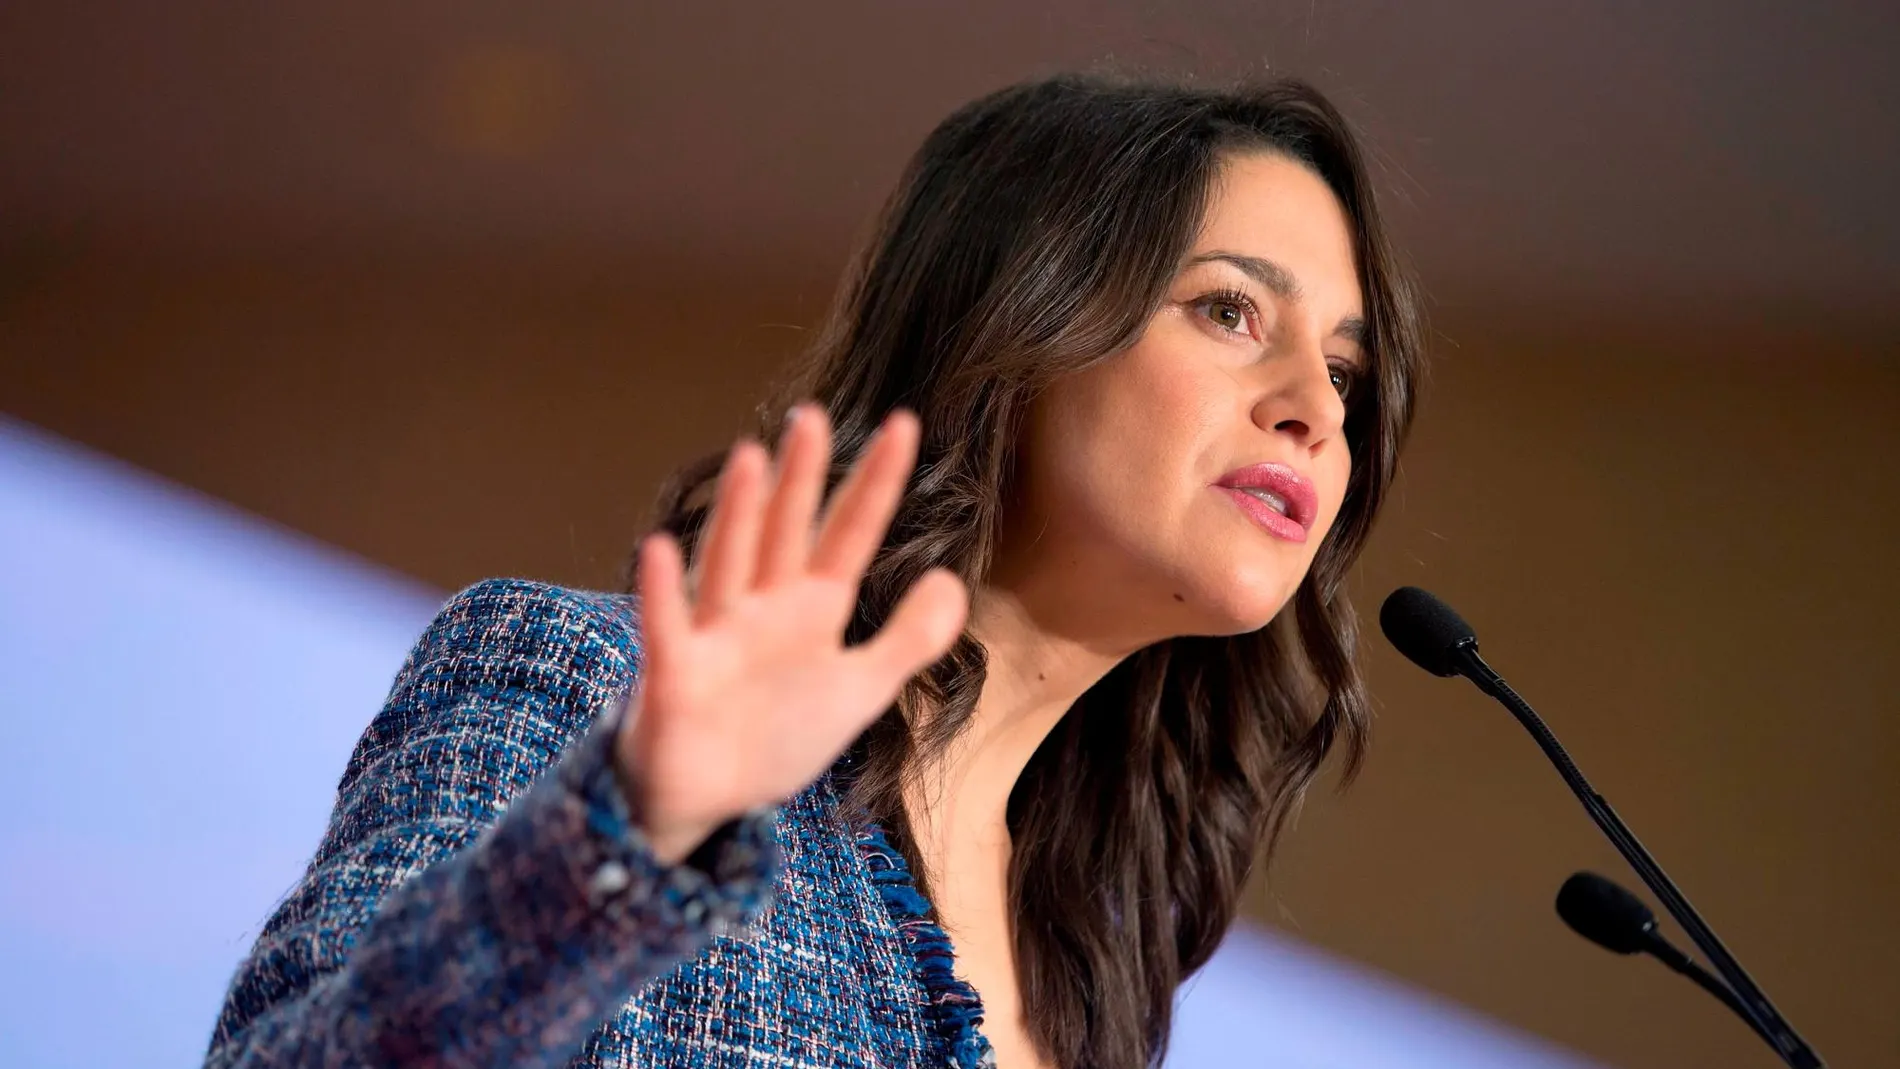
(1109, 402)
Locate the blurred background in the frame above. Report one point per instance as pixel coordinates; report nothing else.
(431, 292)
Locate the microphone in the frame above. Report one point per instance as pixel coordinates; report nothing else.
(1434, 637)
(1604, 912)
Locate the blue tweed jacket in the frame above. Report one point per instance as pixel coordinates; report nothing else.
(484, 896)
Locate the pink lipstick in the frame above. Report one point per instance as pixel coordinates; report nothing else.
(1274, 496)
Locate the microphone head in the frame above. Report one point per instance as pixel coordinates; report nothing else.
(1425, 629)
(1602, 911)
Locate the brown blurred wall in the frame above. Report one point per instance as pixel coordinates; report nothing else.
(1675, 536)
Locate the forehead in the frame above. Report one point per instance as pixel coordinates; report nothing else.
(1271, 206)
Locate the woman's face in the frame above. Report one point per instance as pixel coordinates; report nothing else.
(1134, 496)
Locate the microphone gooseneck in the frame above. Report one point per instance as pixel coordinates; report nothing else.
(1434, 637)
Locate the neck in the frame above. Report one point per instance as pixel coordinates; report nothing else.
(957, 802)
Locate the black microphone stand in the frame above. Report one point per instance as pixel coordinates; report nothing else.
(1758, 1010)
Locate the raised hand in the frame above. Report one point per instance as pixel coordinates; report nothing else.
(748, 692)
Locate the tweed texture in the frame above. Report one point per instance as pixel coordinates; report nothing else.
(484, 896)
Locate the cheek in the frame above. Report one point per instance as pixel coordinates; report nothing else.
(1332, 474)
(1125, 439)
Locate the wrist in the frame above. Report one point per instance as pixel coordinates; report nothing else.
(672, 837)
(672, 842)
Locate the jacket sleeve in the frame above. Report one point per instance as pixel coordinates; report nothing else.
(484, 895)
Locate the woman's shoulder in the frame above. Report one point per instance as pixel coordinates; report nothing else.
(509, 665)
(516, 630)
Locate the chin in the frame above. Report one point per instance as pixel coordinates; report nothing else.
(1243, 600)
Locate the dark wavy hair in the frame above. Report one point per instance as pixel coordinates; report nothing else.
(1035, 233)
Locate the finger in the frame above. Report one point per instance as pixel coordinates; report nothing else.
(803, 460)
(662, 588)
(726, 559)
(860, 512)
(921, 629)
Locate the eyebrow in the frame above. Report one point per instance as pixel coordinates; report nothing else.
(1282, 283)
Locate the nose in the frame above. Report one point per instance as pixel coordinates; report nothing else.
(1300, 401)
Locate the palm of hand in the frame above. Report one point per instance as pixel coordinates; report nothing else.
(748, 692)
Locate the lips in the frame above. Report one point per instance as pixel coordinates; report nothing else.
(1275, 496)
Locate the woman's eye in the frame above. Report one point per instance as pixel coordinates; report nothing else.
(1228, 312)
(1344, 380)
(1227, 315)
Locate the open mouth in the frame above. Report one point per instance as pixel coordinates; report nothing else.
(1276, 490)
(1274, 501)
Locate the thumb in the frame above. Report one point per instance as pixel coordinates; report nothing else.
(922, 628)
